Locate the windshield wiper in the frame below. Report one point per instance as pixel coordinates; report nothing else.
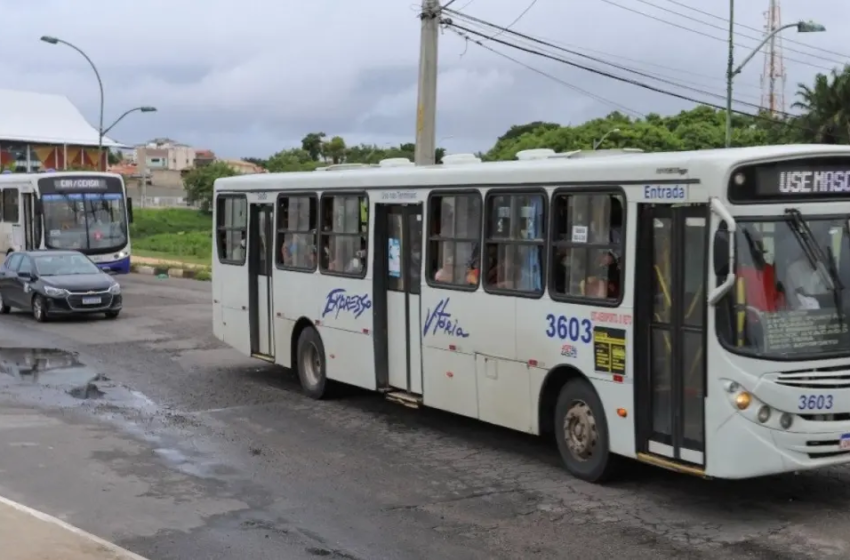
(812, 249)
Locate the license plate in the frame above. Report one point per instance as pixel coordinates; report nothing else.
(91, 301)
(844, 442)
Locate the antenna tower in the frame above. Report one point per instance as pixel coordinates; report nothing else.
(773, 77)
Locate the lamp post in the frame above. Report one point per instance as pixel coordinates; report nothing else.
(143, 109)
(802, 27)
(55, 41)
(598, 143)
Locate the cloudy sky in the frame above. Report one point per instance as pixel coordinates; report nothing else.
(250, 77)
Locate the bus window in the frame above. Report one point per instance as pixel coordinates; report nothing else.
(454, 236)
(10, 205)
(296, 232)
(514, 245)
(587, 245)
(231, 228)
(344, 235)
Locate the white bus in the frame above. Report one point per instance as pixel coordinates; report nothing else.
(85, 211)
(688, 310)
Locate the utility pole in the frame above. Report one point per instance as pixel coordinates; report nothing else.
(730, 73)
(426, 105)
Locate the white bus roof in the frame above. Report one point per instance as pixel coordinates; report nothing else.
(620, 168)
(24, 177)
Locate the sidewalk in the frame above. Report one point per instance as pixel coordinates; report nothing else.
(26, 534)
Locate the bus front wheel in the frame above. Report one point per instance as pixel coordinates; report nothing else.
(311, 364)
(582, 433)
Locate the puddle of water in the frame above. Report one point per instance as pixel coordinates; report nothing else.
(44, 366)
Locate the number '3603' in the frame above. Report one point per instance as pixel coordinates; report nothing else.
(815, 402)
(569, 328)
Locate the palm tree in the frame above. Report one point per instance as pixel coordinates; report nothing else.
(826, 107)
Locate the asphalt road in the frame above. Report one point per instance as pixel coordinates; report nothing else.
(182, 449)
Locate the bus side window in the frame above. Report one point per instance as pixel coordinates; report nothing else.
(231, 228)
(514, 243)
(296, 232)
(345, 230)
(587, 245)
(10, 205)
(454, 239)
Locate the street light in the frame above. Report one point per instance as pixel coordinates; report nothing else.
(598, 143)
(55, 41)
(802, 27)
(144, 109)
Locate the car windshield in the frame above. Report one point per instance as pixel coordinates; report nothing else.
(85, 221)
(792, 292)
(64, 265)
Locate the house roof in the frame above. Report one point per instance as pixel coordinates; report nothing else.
(27, 116)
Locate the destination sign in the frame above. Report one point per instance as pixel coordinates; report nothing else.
(79, 184)
(806, 179)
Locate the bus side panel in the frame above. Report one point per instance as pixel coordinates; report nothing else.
(342, 307)
(559, 333)
(236, 328)
(294, 297)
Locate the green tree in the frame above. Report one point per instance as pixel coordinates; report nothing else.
(312, 144)
(826, 107)
(291, 160)
(335, 149)
(199, 182)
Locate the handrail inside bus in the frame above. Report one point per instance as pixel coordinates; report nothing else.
(718, 208)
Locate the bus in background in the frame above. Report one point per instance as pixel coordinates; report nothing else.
(85, 211)
(689, 310)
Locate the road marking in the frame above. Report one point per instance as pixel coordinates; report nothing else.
(111, 547)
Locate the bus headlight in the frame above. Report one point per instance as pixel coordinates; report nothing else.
(764, 414)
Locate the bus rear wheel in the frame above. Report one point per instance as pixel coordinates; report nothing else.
(311, 364)
(582, 433)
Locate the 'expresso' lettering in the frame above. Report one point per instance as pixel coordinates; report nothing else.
(339, 300)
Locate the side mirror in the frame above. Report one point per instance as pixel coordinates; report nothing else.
(25, 275)
(721, 251)
(130, 210)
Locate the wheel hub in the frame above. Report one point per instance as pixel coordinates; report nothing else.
(312, 362)
(580, 431)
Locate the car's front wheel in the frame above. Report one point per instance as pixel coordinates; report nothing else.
(39, 308)
(3, 307)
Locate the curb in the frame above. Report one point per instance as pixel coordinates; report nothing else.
(111, 547)
(200, 274)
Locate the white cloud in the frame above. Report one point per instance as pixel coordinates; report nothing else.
(253, 76)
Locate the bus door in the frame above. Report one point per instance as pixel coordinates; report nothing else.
(27, 215)
(396, 289)
(260, 266)
(670, 357)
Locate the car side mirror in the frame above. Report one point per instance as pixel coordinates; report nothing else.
(130, 210)
(25, 275)
(721, 251)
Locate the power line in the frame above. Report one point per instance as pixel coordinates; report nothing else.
(696, 31)
(519, 17)
(615, 77)
(594, 59)
(750, 37)
(584, 92)
(751, 28)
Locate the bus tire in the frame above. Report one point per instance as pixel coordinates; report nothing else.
(312, 371)
(582, 433)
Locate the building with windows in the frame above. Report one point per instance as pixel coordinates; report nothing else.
(40, 131)
(164, 154)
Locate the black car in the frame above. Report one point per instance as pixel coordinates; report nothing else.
(52, 283)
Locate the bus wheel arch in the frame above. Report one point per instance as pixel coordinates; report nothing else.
(311, 363)
(571, 410)
(299, 327)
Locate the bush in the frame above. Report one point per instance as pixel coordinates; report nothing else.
(203, 275)
(191, 244)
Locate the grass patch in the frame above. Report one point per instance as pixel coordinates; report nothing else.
(175, 234)
(153, 221)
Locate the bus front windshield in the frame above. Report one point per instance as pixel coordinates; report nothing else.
(792, 295)
(88, 222)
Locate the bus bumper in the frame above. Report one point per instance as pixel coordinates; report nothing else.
(121, 266)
